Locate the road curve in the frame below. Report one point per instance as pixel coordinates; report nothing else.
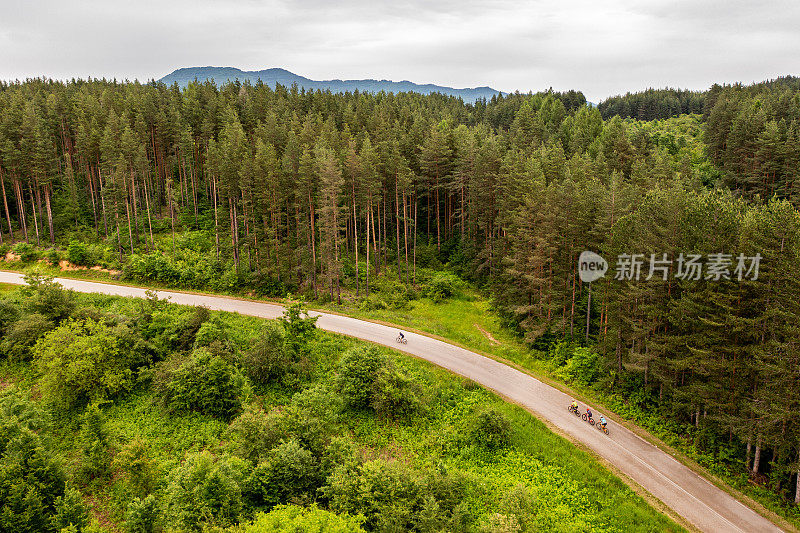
(691, 496)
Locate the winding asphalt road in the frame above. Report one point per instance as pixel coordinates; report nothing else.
(702, 504)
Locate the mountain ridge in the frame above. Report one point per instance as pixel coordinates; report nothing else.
(271, 76)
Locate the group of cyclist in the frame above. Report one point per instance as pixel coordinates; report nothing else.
(589, 415)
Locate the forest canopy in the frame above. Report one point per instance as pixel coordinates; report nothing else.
(278, 190)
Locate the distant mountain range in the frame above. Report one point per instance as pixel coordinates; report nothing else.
(271, 76)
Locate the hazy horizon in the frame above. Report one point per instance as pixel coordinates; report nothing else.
(603, 50)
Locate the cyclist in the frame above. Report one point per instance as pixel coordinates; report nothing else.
(603, 421)
(402, 337)
(574, 405)
(588, 413)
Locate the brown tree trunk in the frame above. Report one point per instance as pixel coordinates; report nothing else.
(21, 209)
(757, 457)
(35, 215)
(5, 204)
(49, 214)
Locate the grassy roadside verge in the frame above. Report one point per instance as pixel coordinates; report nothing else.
(468, 321)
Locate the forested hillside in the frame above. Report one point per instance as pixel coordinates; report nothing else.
(284, 190)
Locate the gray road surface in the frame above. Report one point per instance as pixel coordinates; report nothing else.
(690, 495)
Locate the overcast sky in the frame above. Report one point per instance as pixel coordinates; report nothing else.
(600, 47)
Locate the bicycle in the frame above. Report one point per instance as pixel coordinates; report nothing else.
(401, 340)
(574, 410)
(588, 419)
(601, 428)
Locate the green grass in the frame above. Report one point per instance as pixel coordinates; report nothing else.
(468, 320)
(572, 491)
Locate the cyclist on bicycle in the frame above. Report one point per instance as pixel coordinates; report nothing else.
(402, 336)
(588, 413)
(603, 421)
(575, 405)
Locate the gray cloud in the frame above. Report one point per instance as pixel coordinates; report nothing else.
(602, 48)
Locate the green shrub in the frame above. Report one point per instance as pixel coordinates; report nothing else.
(33, 487)
(442, 285)
(290, 472)
(340, 451)
(9, 313)
(394, 395)
(313, 416)
(491, 428)
(300, 327)
(210, 331)
(186, 333)
(53, 257)
(78, 254)
(267, 360)
(17, 413)
(18, 342)
(134, 461)
(204, 493)
(583, 366)
(94, 442)
(253, 433)
(562, 353)
(393, 497)
(359, 369)
(70, 511)
(48, 298)
(293, 519)
(81, 361)
(208, 384)
(25, 251)
(142, 515)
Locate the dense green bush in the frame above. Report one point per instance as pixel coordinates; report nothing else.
(208, 384)
(48, 298)
(17, 413)
(394, 395)
(25, 251)
(70, 512)
(491, 428)
(81, 361)
(22, 335)
(94, 441)
(442, 285)
(9, 313)
(53, 257)
(312, 416)
(300, 326)
(254, 432)
(142, 515)
(290, 473)
(394, 497)
(78, 254)
(583, 366)
(267, 359)
(204, 492)
(134, 462)
(359, 369)
(294, 519)
(33, 492)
